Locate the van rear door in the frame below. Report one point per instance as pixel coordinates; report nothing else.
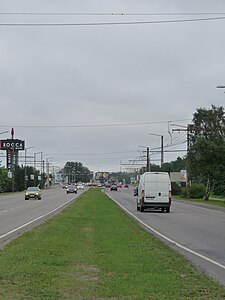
(157, 187)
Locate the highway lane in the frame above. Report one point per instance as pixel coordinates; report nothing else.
(196, 232)
(18, 214)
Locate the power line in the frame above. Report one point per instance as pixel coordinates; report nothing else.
(111, 13)
(95, 153)
(111, 23)
(91, 126)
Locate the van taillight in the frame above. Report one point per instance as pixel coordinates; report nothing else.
(170, 194)
(143, 194)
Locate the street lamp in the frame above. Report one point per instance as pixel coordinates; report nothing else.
(4, 132)
(25, 167)
(35, 157)
(220, 87)
(47, 183)
(40, 167)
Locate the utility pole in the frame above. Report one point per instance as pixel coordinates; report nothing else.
(188, 182)
(162, 149)
(13, 162)
(148, 161)
(162, 152)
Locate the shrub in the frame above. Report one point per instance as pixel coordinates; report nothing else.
(197, 190)
(176, 189)
(219, 189)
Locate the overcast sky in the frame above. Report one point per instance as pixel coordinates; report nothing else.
(94, 93)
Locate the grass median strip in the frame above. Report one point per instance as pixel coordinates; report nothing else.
(93, 250)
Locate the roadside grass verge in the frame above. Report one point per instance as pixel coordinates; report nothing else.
(220, 203)
(93, 250)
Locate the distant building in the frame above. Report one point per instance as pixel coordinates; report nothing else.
(179, 177)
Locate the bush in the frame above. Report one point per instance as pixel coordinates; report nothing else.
(4, 181)
(176, 189)
(197, 190)
(219, 189)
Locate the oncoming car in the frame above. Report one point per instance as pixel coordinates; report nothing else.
(33, 192)
(71, 189)
(80, 186)
(113, 187)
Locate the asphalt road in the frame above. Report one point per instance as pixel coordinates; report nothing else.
(198, 232)
(18, 215)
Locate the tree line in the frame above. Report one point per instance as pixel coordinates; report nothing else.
(30, 176)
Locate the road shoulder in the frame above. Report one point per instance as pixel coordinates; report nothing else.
(204, 205)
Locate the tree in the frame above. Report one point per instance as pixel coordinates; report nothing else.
(4, 181)
(206, 155)
(175, 166)
(75, 172)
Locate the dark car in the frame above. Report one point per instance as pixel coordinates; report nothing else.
(136, 191)
(113, 187)
(71, 189)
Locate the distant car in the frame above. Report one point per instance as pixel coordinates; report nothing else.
(64, 186)
(119, 185)
(33, 192)
(71, 189)
(113, 187)
(80, 186)
(126, 185)
(136, 191)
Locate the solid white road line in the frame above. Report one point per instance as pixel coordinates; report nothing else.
(168, 239)
(34, 220)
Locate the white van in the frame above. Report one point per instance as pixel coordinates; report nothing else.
(154, 191)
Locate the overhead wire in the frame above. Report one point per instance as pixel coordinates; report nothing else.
(112, 23)
(91, 125)
(111, 13)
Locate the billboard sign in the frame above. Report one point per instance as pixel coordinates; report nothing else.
(12, 144)
(102, 175)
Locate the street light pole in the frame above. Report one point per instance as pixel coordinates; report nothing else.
(25, 166)
(220, 87)
(35, 175)
(47, 169)
(3, 132)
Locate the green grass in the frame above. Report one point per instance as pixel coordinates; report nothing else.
(93, 250)
(220, 203)
(218, 197)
